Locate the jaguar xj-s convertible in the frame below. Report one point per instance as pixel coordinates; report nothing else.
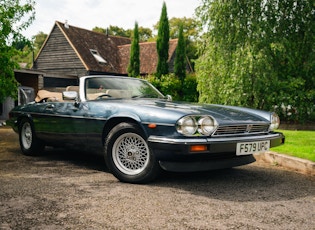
(141, 132)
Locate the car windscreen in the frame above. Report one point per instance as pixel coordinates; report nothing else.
(119, 87)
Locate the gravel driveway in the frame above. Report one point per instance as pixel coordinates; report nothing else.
(71, 190)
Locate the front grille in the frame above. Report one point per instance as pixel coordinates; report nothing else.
(245, 129)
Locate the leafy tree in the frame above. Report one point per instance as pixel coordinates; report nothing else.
(27, 50)
(99, 30)
(258, 54)
(14, 18)
(39, 40)
(23, 54)
(191, 30)
(134, 62)
(113, 30)
(118, 31)
(180, 56)
(162, 43)
(144, 33)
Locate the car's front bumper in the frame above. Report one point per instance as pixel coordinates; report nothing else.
(175, 154)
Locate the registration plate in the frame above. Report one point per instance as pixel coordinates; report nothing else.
(246, 148)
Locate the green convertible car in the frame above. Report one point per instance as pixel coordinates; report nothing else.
(140, 131)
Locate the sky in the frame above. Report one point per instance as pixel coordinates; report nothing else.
(88, 14)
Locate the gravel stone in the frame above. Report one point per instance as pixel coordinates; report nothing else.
(65, 189)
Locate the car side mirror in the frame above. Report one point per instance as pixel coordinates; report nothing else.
(69, 95)
(169, 97)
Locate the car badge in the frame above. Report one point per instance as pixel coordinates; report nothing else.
(248, 128)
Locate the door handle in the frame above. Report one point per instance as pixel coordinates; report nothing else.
(50, 107)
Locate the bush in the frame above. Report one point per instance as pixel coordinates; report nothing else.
(172, 85)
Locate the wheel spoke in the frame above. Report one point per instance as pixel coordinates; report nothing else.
(26, 136)
(131, 153)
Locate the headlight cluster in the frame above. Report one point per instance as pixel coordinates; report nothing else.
(275, 122)
(194, 125)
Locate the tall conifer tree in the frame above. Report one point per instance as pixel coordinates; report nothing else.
(180, 57)
(162, 43)
(134, 62)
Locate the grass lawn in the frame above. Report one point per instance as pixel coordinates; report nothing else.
(298, 144)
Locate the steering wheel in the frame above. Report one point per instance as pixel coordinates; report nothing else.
(103, 95)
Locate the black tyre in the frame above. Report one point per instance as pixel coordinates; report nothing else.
(29, 143)
(128, 156)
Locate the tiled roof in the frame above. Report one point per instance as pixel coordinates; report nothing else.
(148, 56)
(114, 50)
(83, 40)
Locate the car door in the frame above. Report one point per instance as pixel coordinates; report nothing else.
(62, 123)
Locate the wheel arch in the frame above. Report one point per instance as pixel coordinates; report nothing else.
(29, 143)
(113, 121)
(22, 117)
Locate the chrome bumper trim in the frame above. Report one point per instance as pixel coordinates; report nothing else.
(160, 139)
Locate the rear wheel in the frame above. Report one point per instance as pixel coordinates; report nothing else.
(29, 143)
(128, 156)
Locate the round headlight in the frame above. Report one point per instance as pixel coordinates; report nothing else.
(206, 125)
(275, 122)
(187, 126)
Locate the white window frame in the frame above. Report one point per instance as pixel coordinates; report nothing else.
(98, 57)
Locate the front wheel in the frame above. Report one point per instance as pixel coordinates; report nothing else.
(29, 143)
(128, 156)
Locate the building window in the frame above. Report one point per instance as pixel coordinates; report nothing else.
(98, 57)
